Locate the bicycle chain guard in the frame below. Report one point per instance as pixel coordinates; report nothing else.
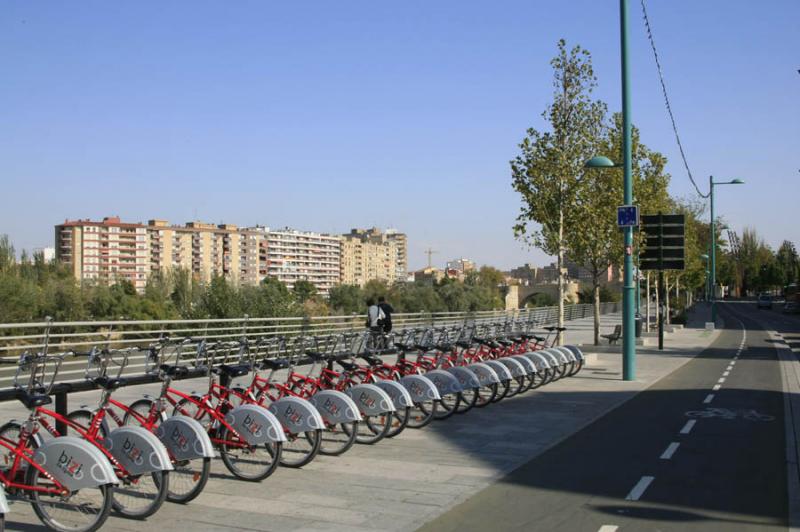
(297, 415)
(255, 424)
(75, 463)
(185, 438)
(138, 450)
(370, 399)
(335, 407)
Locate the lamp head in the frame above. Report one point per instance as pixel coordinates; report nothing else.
(737, 182)
(599, 161)
(704, 256)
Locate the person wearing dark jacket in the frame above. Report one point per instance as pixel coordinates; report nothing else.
(387, 311)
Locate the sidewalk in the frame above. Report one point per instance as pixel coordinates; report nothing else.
(401, 484)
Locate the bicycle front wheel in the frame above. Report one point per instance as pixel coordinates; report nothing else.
(249, 462)
(400, 419)
(447, 405)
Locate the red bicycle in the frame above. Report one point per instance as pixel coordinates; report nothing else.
(245, 460)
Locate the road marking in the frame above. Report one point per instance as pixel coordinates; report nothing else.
(795, 349)
(690, 424)
(716, 387)
(721, 380)
(708, 399)
(733, 363)
(671, 448)
(638, 489)
(726, 373)
(608, 528)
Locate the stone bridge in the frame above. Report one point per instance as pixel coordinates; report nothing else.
(517, 296)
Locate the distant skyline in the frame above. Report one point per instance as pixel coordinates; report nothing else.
(325, 117)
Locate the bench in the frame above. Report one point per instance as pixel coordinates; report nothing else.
(614, 336)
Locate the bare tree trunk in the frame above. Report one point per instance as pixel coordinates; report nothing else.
(560, 337)
(666, 298)
(658, 297)
(596, 292)
(647, 304)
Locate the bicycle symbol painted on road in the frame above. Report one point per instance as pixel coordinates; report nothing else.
(725, 413)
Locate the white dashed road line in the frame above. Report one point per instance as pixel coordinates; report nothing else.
(688, 427)
(726, 373)
(716, 387)
(721, 380)
(708, 399)
(639, 489)
(608, 528)
(670, 450)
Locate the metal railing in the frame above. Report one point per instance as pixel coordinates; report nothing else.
(81, 336)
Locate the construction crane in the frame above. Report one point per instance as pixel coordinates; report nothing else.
(429, 252)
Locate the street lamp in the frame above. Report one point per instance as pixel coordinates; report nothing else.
(705, 257)
(711, 185)
(628, 332)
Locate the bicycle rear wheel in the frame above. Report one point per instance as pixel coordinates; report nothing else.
(447, 405)
(469, 396)
(140, 496)
(374, 428)
(188, 479)
(338, 438)
(486, 395)
(248, 462)
(421, 414)
(85, 510)
(502, 390)
(301, 448)
(400, 419)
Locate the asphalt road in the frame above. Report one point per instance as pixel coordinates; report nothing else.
(702, 449)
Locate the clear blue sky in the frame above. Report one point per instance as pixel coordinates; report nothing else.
(330, 115)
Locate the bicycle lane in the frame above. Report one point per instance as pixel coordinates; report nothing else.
(712, 474)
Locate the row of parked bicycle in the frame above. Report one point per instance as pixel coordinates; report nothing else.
(259, 410)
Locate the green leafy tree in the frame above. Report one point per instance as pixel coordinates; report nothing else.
(346, 299)
(304, 290)
(788, 263)
(547, 171)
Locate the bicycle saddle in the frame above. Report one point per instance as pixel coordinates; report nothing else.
(233, 370)
(463, 343)
(372, 359)
(174, 371)
(505, 343)
(33, 400)
(401, 346)
(275, 363)
(349, 366)
(109, 383)
(315, 356)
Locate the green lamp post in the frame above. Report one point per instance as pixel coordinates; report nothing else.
(711, 185)
(628, 332)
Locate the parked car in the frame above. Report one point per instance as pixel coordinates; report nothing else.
(764, 301)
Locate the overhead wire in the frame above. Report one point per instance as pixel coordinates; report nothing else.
(666, 100)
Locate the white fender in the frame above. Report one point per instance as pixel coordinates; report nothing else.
(444, 382)
(397, 393)
(576, 352)
(3, 502)
(517, 370)
(138, 450)
(297, 415)
(526, 362)
(75, 463)
(370, 399)
(421, 388)
(335, 407)
(552, 359)
(501, 370)
(564, 355)
(255, 424)
(185, 438)
(486, 375)
(570, 356)
(465, 377)
(541, 362)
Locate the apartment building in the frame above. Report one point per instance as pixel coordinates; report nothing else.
(294, 255)
(104, 252)
(371, 254)
(111, 250)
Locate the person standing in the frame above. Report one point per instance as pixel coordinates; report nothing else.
(387, 312)
(375, 316)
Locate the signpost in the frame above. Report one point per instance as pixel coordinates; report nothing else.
(627, 215)
(665, 240)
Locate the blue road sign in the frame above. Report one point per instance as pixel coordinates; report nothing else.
(628, 215)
